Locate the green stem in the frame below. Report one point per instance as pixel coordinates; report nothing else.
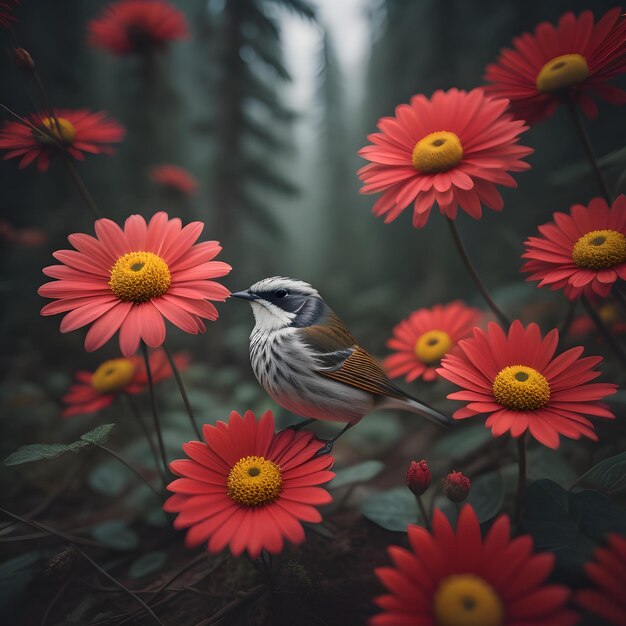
(144, 427)
(422, 509)
(80, 551)
(155, 413)
(521, 476)
(78, 182)
(474, 274)
(183, 392)
(122, 460)
(588, 148)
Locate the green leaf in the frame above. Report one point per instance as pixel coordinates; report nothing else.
(608, 475)
(98, 435)
(359, 473)
(115, 534)
(462, 441)
(147, 564)
(109, 478)
(393, 510)
(571, 525)
(486, 495)
(36, 452)
(546, 463)
(39, 451)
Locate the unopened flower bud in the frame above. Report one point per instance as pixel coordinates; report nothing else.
(456, 486)
(23, 60)
(418, 477)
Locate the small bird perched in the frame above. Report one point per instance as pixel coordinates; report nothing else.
(308, 361)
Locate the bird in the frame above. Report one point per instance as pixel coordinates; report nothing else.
(307, 360)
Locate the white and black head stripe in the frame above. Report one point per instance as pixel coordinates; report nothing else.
(274, 283)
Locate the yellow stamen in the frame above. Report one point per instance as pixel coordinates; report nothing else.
(437, 152)
(562, 72)
(521, 388)
(139, 276)
(432, 345)
(113, 375)
(467, 600)
(600, 249)
(254, 481)
(64, 131)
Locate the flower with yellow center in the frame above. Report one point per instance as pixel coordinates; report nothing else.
(521, 388)
(60, 128)
(600, 249)
(432, 346)
(437, 152)
(113, 375)
(562, 72)
(139, 276)
(254, 481)
(467, 600)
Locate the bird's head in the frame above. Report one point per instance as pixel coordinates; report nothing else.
(280, 302)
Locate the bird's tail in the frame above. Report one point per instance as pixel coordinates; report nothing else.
(415, 406)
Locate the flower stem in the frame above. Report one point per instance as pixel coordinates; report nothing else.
(80, 185)
(474, 274)
(134, 470)
(144, 427)
(422, 509)
(586, 143)
(183, 392)
(521, 476)
(155, 413)
(620, 296)
(604, 330)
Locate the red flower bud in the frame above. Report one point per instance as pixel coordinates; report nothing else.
(418, 477)
(23, 60)
(456, 486)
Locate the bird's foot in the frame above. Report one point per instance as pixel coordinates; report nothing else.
(326, 448)
(299, 425)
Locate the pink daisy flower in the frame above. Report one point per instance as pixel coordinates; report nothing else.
(580, 252)
(425, 337)
(96, 390)
(130, 280)
(247, 487)
(574, 59)
(452, 149)
(522, 385)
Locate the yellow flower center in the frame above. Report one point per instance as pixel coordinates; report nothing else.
(521, 388)
(139, 276)
(62, 131)
(562, 72)
(431, 346)
(113, 375)
(608, 313)
(467, 600)
(254, 481)
(437, 152)
(600, 249)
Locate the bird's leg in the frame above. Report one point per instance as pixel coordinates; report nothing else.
(302, 424)
(329, 443)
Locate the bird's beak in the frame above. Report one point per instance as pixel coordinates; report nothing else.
(244, 295)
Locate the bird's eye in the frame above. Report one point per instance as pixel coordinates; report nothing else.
(281, 293)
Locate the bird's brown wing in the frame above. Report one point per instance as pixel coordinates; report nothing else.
(343, 360)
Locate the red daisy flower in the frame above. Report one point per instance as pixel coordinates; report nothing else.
(517, 380)
(452, 149)
(137, 25)
(96, 390)
(583, 252)
(452, 578)
(425, 337)
(607, 572)
(129, 280)
(248, 487)
(6, 17)
(172, 177)
(572, 60)
(77, 132)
